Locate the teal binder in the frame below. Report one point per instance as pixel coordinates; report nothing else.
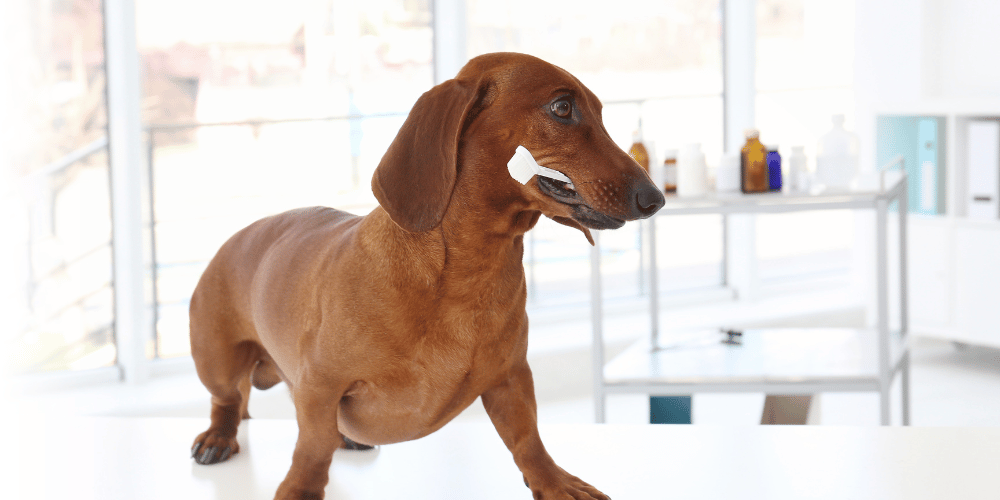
(920, 140)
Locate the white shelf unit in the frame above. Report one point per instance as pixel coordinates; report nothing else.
(774, 361)
(954, 276)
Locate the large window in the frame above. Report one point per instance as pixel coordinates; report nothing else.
(56, 293)
(250, 111)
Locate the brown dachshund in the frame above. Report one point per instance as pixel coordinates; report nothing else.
(387, 326)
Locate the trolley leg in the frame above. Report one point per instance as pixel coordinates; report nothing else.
(597, 324)
(905, 388)
(884, 410)
(885, 369)
(904, 310)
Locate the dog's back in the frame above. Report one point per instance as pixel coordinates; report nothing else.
(253, 270)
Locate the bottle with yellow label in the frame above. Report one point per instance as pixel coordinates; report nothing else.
(753, 164)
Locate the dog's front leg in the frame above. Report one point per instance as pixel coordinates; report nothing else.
(511, 407)
(316, 409)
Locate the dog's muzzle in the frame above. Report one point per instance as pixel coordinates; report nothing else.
(639, 202)
(582, 212)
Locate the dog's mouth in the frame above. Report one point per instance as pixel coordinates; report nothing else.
(582, 213)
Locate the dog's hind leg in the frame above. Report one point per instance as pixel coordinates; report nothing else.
(225, 362)
(227, 378)
(265, 375)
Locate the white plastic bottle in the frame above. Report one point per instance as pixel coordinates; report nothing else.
(797, 173)
(837, 156)
(692, 173)
(727, 176)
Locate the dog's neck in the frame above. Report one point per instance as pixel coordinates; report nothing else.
(484, 214)
(481, 236)
(487, 226)
(476, 245)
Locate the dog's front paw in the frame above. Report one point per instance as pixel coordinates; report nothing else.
(211, 448)
(561, 485)
(286, 492)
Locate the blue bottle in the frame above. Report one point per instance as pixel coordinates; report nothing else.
(773, 169)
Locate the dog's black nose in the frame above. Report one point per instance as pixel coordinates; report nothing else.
(649, 199)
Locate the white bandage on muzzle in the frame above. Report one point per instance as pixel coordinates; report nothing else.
(522, 168)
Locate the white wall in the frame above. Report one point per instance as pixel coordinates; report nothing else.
(887, 63)
(910, 51)
(969, 43)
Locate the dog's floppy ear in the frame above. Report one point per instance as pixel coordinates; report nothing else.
(415, 178)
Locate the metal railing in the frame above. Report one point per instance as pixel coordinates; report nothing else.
(46, 204)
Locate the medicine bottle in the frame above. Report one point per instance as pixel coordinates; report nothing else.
(638, 150)
(753, 164)
(670, 171)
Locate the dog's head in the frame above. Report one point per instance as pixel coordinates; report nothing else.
(475, 122)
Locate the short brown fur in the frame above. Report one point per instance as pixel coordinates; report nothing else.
(387, 326)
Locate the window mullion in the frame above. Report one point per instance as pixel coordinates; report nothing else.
(132, 326)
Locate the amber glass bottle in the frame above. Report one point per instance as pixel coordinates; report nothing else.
(638, 151)
(753, 164)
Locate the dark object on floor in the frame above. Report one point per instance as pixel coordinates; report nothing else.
(733, 337)
(670, 410)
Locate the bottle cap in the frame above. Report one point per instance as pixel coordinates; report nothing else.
(751, 133)
(669, 154)
(838, 119)
(796, 150)
(636, 136)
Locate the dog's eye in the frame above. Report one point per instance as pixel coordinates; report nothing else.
(562, 108)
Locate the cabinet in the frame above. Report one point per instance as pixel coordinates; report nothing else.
(977, 276)
(929, 248)
(773, 361)
(954, 274)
